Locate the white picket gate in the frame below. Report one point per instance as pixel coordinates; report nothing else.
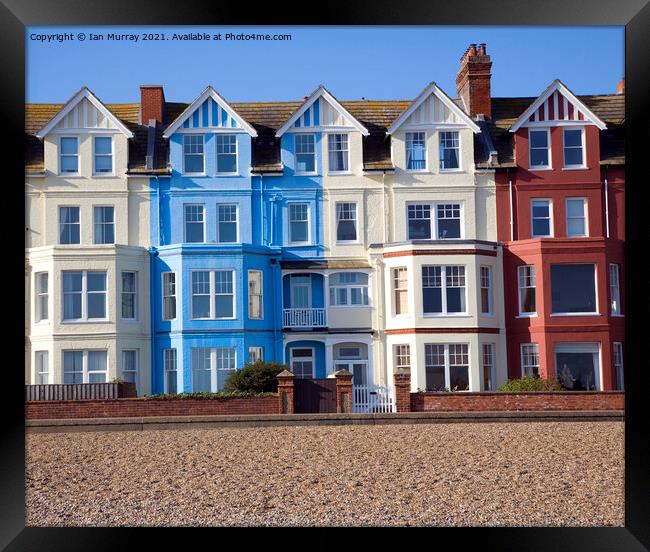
(372, 398)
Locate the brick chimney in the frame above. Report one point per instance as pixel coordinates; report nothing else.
(473, 81)
(152, 103)
(621, 86)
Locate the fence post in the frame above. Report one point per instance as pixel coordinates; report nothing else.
(402, 379)
(285, 392)
(343, 391)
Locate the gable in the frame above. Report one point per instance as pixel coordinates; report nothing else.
(557, 106)
(432, 108)
(321, 111)
(209, 112)
(84, 112)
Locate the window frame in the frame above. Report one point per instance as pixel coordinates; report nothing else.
(259, 352)
(406, 151)
(312, 358)
(295, 153)
(355, 220)
(441, 169)
(583, 164)
(448, 365)
(84, 297)
(213, 295)
(395, 290)
(522, 358)
(434, 220)
(136, 370)
(104, 224)
(596, 304)
(489, 287)
(38, 366)
(218, 137)
(174, 295)
(186, 136)
(348, 286)
(185, 221)
(548, 166)
(491, 366)
(78, 223)
(166, 369)
(134, 293)
(308, 222)
(237, 237)
(520, 287)
(401, 352)
(61, 155)
(85, 373)
(585, 216)
(330, 151)
(111, 155)
(550, 217)
(617, 287)
(260, 294)
(443, 293)
(214, 369)
(41, 296)
(619, 365)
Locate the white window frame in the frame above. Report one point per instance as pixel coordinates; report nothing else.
(619, 364)
(346, 150)
(548, 166)
(236, 206)
(355, 220)
(394, 280)
(111, 155)
(84, 363)
(615, 290)
(491, 347)
(312, 358)
(295, 153)
(402, 356)
(550, 217)
(174, 295)
(260, 295)
(104, 224)
(583, 164)
(433, 218)
(308, 222)
(214, 369)
(585, 216)
(185, 136)
(255, 353)
(136, 370)
(41, 360)
(520, 287)
(41, 297)
(440, 158)
(408, 139)
(78, 207)
(294, 283)
(134, 293)
(213, 295)
(166, 363)
(84, 297)
(447, 367)
(185, 221)
(65, 173)
(589, 347)
(217, 154)
(526, 368)
(443, 292)
(490, 289)
(348, 287)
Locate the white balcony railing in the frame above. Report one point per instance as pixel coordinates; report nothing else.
(304, 318)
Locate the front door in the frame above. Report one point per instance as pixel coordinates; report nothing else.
(359, 371)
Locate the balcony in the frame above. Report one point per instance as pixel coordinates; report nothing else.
(304, 318)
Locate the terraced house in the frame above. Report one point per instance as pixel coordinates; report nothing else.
(367, 235)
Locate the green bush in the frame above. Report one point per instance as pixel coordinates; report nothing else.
(207, 395)
(258, 377)
(530, 383)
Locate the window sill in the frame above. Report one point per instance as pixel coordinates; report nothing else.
(226, 174)
(298, 244)
(526, 315)
(617, 315)
(445, 315)
(339, 173)
(211, 319)
(447, 171)
(91, 321)
(576, 168)
(305, 174)
(71, 175)
(129, 320)
(418, 171)
(104, 175)
(575, 314)
(348, 307)
(348, 242)
(536, 237)
(193, 174)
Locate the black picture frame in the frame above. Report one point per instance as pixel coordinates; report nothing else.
(15, 15)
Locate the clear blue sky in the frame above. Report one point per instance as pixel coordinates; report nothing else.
(352, 62)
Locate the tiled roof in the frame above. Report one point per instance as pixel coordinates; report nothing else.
(609, 108)
(375, 115)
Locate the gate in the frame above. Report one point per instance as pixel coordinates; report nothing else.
(314, 395)
(372, 398)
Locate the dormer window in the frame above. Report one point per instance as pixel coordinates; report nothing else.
(103, 154)
(69, 156)
(573, 148)
(416, 159)
(539, 149)
(338, 152)
(305, 153)
(193, 154)
(449, 151)
(226, 154)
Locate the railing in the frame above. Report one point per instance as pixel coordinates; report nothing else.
(372, 398)
(76, 391)
(304, 318)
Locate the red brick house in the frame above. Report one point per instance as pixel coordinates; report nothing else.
(559, 166)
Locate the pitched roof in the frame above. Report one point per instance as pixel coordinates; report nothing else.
(610, 108)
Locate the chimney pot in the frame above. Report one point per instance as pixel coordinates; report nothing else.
(620, 89)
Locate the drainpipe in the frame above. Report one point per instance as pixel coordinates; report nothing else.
(262, 241)
(383, 205)
(512, 225)
(606, 206)
(152, 301)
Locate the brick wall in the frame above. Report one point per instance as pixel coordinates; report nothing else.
(563, 400)
(117, 408)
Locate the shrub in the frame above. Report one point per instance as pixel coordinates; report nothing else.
(207, 395)
(530, 383)
(259, 377)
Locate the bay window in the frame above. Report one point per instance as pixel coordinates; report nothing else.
(211, 367)
(529, 359)
(130, 365)
(618, 366)
(129, 295)
(255, 294)
(577, 366)
(42, 369)
(213, 295)
(447, 366)
(171, 371)
(614, 290)
(527, 287)
(443, 289)
(348, 288)
(85, 366)
(169, 295)
(486, 289)
(489, 377)
(402, 357)
(573, 288)
(84, 295)
(41, 280)
(400, 290)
